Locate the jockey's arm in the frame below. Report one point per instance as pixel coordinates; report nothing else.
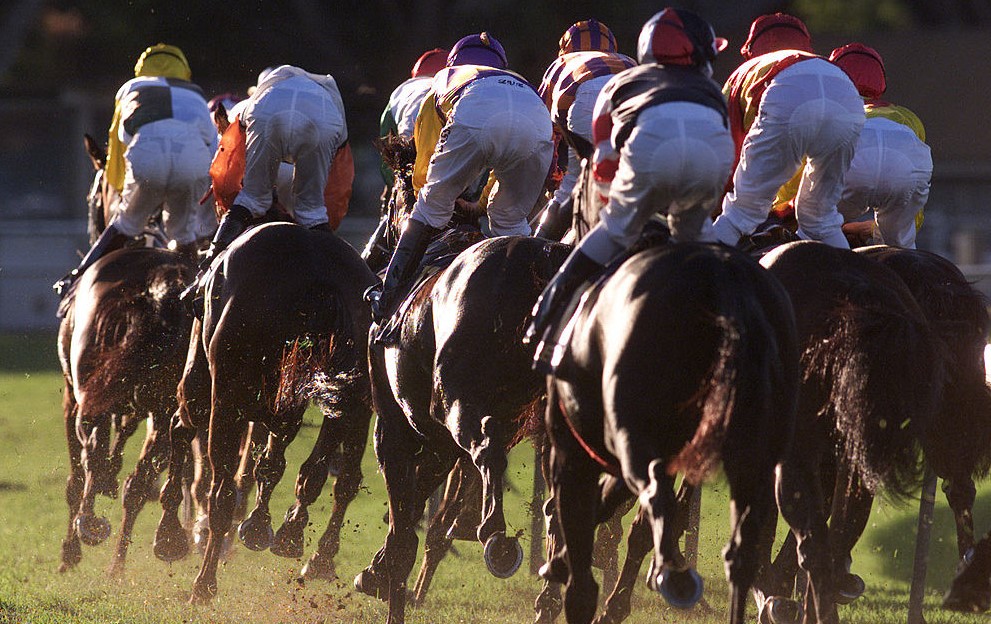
(426, 133)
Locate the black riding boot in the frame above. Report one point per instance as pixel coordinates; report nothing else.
(109, 240)
(554, 220)
(575, 271)
(405, 261)
(234, 222)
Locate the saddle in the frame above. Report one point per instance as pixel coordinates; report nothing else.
(439, 255)
(552, 351)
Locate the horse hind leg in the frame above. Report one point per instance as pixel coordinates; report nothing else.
(72, 552)
(222, 451)
(139, 487)
(800, 501)
(256, 530)
(751, 504)
(171, 542)
(960, 495)
(459, 496)
(680, 585)
(482, 438)
(353, 427)
(638, 545)
(94, 435)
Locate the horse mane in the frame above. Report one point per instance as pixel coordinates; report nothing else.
(398, 152)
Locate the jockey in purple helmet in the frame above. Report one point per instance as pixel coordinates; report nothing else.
(478, 116)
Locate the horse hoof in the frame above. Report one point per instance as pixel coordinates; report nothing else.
(848, 588)
(254, 537)
(92, 530)
(503, 555)
(319, 567)
(72, 554)
(287, 545)
(778, 610)
(171, 546)
(554, 571)
(681, 590)
(368, 583)
(202, 595)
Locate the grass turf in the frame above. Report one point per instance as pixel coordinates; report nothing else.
(259, 587)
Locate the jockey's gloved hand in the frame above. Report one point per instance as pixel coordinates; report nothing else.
(234, 222)
(373, 295)
(555, 219)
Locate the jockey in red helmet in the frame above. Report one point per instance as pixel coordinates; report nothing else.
(662, 145)
(892, 165)
(808, 109)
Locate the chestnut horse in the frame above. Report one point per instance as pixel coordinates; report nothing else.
(121, 346)
(284, 322)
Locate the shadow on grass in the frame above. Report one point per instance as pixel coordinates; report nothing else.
(28, 352)
(897, 539)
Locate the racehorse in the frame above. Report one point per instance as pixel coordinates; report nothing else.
(284, 322)
(684, 357)
(121, 346)
(456, 384)
(874, 372)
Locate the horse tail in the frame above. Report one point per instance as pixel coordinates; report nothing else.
(736, 399)
(138, 326)
(883, 374)
(323, 360)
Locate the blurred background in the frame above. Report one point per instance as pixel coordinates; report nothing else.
(61, 62)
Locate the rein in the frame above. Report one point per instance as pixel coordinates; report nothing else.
(606, 465)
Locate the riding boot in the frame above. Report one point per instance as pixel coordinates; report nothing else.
(554, 220)
(575, 271)
(234, 222)
(405, 261)
(322, 227)
(109, 240)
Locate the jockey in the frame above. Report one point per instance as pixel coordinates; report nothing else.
(400, 113)
(786, 103)
(892, 166)
(662, 144)
(478, 116)
(588, 59)
(160, 144)
(296, 117)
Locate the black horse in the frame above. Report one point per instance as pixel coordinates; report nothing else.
(874, 373)
(684, 358)
(284, 322)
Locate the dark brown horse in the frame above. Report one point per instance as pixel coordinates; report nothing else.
(686, 357)
(457, 384)
(121, 346)
(860, 298)
(874, 373)
(284, 323)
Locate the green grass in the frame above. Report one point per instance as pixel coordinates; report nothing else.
(259, 587)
